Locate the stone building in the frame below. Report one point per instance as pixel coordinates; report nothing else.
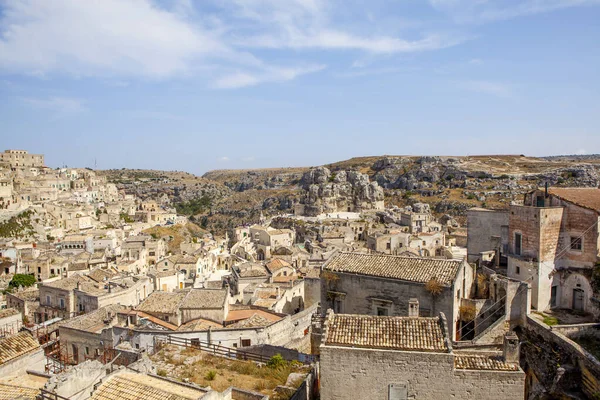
(19, 159)
(178, 308)
(26, 302)
(126, 291)
(87, 336)
(57, 299)
(487, 230)
(377, 284)
(401, 358)
(554, 244)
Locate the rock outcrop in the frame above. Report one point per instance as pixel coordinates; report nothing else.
(328, 192)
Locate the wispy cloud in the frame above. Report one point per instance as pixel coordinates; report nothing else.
(213, 40)
(498, 89)
(61, 106)
(248, 159)
(241, 79)
(223, 159)
(481, 11)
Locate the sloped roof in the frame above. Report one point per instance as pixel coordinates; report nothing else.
(477, 362)
(583, 197)
(127, 386)
(10, 392)
(94, 321)
(277, 264)
(9, 312)
(15, 346)
(382, 332)
(414, 269)
(162, 302)
(205, 298)
(67, 283)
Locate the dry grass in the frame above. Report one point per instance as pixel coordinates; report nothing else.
(220, 373)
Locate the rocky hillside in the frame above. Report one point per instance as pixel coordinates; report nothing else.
(450, 185)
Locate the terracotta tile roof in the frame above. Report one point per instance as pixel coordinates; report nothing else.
(256, 320)
(584, 197)
(15, 346)
(129, 386)
(205, 298)
(199, 325)
(266, 303)
(162, 302)
(154, 320)
(277, 264)
(477, 362)
(239, 315)
(10, 392)
(94, 321)
(9, 312)
(414, 269)
(394, 333)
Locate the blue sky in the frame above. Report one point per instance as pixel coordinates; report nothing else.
(210, 84)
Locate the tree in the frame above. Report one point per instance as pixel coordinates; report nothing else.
(22, 280)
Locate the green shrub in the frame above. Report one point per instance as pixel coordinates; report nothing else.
(22, 280)
(161, 372)
(210, 375)
(276, 361)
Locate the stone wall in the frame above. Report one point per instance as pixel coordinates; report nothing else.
(312, 291)
(484, 231)
(546, 350)
(352, 373)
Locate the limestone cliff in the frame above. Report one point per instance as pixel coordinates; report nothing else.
(328, 192)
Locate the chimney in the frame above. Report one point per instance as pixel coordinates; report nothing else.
(413, 307)
(511, 348)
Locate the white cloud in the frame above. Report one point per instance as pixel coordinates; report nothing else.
(243, 79)
(481, 11)
(108, 37)
(487, 87)
(224, 159)
(307, 24)
(60, 105)
(248, 159)
(211, 40)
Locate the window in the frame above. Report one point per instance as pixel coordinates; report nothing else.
(245, 342)
(87, 351)
(48, 303)
(167, 318)
(576, 243)
(517, 270)
(382, 311)
(518, 243)
(424, 243)
(553, 292)
(62, 303)
(388, 245)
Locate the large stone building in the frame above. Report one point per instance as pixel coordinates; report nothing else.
(376, 284)
(18, 159)
(554, 245)
(401, 358)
